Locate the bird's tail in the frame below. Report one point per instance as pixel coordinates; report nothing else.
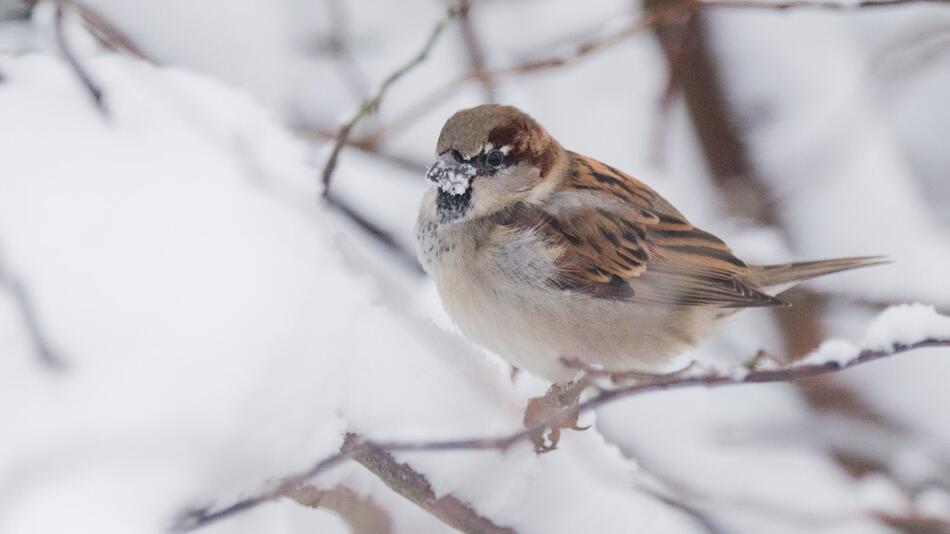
(777, 278)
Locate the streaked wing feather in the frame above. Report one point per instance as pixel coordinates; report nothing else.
(613, 237)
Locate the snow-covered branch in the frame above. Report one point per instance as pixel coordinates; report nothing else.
(411, 484)
(897, 330)
(151, 238)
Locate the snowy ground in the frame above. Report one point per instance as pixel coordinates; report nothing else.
(217, 327)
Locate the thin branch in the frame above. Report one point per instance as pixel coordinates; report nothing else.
(476, 54)
(578, 52)
(95, 92)
(678, 41)
(417, 167)
(383, 237)
(199, 518)
(42, 347)
(371, 104)
(813, 4)
(805, 520)
(108, 34)
(413, 485)
(701, 520)
(666, 12)
(755, 376)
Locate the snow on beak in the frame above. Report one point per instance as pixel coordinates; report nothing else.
(450, 174)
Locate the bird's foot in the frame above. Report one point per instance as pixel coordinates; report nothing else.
(554, 411)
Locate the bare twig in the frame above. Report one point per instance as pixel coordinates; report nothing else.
(666, 12)
(412, 485)
(698, 516)
(383, 237)
(476, 54)
(807, 520)
(547, 62)
(198, 518)
(915, 523)
(95, 92)
(371, 104)
(678, 40)
(108, 34)
(42, 346)
(833, 5)
(417, 167)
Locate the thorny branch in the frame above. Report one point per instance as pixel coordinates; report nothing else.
(641, 384)
(87, 81)
(372, 103)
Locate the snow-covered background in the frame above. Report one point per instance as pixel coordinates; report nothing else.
(183, 320)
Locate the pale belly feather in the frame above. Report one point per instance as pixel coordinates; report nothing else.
(533, 327)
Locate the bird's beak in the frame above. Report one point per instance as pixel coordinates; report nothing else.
(451, 175)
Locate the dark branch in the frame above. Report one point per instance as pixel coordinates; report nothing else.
(577, 53)
(198, 518)
(413, 485)
(755, 376)
(381, 236)
(42, 346)
(95, 92)
(476, 54)
(417, 167)
(108, 34)
(813, 4)
(666, 12)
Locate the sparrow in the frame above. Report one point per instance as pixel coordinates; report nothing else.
(545, 256)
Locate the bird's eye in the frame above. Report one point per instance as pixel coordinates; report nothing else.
(495, 158)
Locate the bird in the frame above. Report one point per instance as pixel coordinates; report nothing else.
(546, 257)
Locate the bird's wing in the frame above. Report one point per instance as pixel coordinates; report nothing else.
(611, 236)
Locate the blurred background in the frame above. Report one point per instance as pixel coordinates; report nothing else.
(200, 292)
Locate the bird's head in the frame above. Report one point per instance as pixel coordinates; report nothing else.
(489, 158)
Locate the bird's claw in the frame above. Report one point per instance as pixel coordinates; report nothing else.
(551, 411)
